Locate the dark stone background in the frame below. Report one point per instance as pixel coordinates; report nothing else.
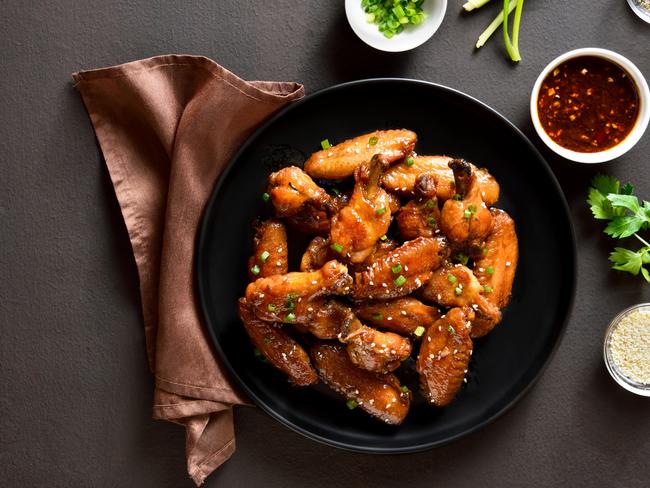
(76, 393)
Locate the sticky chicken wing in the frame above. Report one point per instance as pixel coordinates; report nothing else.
(296, 197)
(467, 220)
(373, 350)
(270, 253)
(286, 298)
(325, 318)
(420, 217)
(456, 286)
(496, 263)
(341, 160)
(357, 226)
(444, 356)
(402, 315)
(281, 350)
(318, 252)
(378, 394)
(400, 178)
(401, 271)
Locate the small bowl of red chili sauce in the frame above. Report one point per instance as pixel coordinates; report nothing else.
(590, 105)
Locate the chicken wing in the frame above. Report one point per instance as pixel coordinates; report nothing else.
(326, 318)
(444, 356)
(281, 350)
(373, 350)
(357, 226)
(402, 315)
(400, 178)
(270, 253)
(401, 271)
(420, 217)
(318, 252)
(287, 298)
(496, 264)
(378, 394)
(467, 220)
(456, 286)
(341, 160)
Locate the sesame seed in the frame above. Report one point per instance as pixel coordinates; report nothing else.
(403, 312)
(406, 268)
(314, 282)
(384, 285)
(371, 283)
(310, 309)
(279, 263)
(389, 318)
(508, 264)
(261, 295)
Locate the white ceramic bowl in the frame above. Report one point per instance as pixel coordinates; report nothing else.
(636, 132)
(410, 38)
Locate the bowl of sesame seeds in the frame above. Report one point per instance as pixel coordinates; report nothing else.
(627, 349)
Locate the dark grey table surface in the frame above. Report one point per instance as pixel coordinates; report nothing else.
(76, 393)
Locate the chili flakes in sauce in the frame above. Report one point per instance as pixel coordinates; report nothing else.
(588, 104)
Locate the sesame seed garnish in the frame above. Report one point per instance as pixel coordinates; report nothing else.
(389, 318)
(403, 312)
(279, 263)
(314, 282)
(508, 264)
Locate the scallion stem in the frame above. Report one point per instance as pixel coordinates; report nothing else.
(474, 4)
(487, 33)
(515, 27)
(513, 50)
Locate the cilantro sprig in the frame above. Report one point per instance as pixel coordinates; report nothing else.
(609, 200)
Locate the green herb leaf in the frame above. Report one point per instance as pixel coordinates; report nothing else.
(606, 184)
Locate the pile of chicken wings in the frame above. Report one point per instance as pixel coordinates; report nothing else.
(415, 253)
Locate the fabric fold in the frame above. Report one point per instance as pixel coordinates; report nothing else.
(167, 126)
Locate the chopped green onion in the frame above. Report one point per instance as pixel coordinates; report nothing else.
(467, 214)
(462, 259)
(271, 307)
(370, 18)
(381, 211)
(336, 192)
(472, 208)
(432, 221)
(267, 340)
(377, 316)
(472, 4)
(264, 256)
(457, 196)
(410, 161)
(289, 306)
(352, 404)
(391, 16)
(458, 290)
(452, 278)
(400, 280)
(372, 141)
(290, 317)
(404, 389)
(450, 329)
(255, 269)
(397, 268)
(430, 204)
(325, 144)
(490, 270)
(419, 330)
(494, 25)
(337, 248)
(383, 238)
(487, 289)
(257, 353)
(266, 197)
(485, 251)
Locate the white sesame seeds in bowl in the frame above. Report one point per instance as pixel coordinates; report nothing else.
(626, 349)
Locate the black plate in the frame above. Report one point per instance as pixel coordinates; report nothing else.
(505, 363)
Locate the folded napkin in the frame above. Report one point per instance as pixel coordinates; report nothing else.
(167, 126)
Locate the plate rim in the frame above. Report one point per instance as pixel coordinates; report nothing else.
(200, 256)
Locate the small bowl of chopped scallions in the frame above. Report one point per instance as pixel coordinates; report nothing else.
(395, 25)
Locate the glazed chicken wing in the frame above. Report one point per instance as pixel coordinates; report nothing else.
(378, 394)
(357, 226)
(281, 350)
(402, 315)
(302, 202)
(325, 318)
(421, 216)
(444, 356)
(373, 350)
(400, 178)
(496, 264)
(270, 253)
(318, 252)
(456, 286)
(287, 298)
(401, 271)
(341, 160)
(466, 221)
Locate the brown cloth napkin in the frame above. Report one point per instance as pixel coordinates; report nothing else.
(167, 126)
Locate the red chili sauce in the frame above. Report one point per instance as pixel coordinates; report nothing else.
(588, 104)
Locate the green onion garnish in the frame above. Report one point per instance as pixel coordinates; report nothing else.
(452, 278)
(257, 353)
(450, 329)
(383, 238)
(352, 404)
(467, 214)
(419, 330)
(267, 340)
(400, 280)
(266, 197)
(337, 248)
(377, 316)
(397, 268)
(485, 251)
(255, 269)
(458, 290)
(490, 270)
(462, 259)
(457, 197)
(410, 161)
(404, 389)
(290, 317)
(264, 256)
(325, 144)
(271, 307)
(336, 192)
(381, 211)
(432, 221)
(372, 141)
(391, 16)
(487, 289)
(430, 204)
